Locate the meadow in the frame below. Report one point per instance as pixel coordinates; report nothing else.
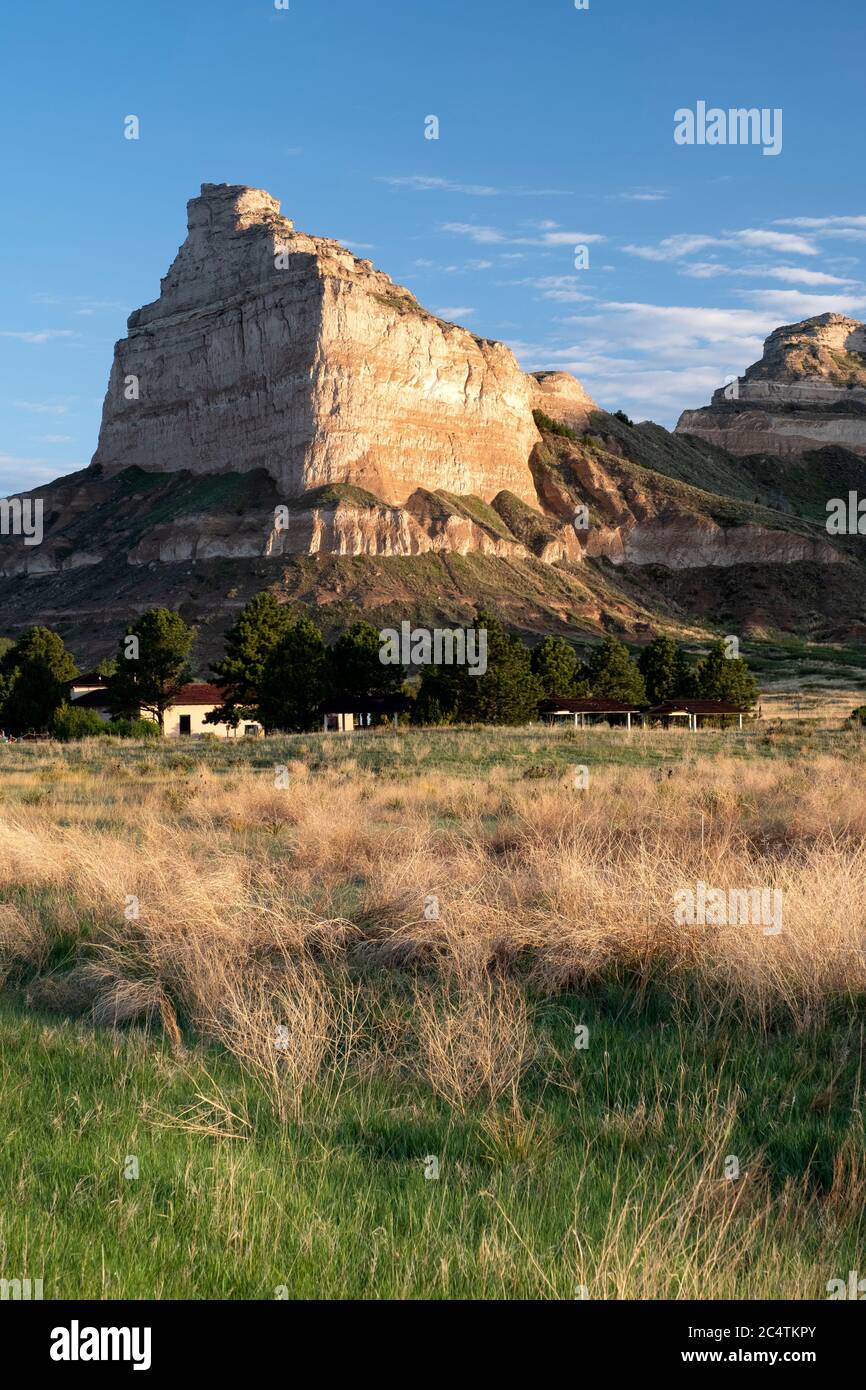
(408, 1015)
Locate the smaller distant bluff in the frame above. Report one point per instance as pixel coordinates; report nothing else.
(807, 392)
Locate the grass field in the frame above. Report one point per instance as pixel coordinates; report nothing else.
(421, 1024)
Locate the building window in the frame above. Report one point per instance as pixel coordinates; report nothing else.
(185, 726)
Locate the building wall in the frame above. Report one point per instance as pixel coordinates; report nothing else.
(196, 721)
(197, 725)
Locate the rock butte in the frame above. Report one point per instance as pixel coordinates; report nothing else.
(269, 349)
(303, 425)
(807, 392)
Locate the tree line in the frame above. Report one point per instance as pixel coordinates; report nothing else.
(277, 670)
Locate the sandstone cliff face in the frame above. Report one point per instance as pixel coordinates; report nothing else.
(269, 349)
(807, 392)
(561, 396)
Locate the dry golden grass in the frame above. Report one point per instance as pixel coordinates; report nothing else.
(247, 908)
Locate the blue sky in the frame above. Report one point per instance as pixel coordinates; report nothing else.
(555, 129)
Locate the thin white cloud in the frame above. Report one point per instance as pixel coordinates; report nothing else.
(38, 335)
(494, 236)
(674, 248)
(563, 288)
(656, 325)
(424, 183)
(820, 223)
(41, 407)
(82, 303)
(764, 240)
(791, 274)
(791, 306)
(454, 313)
(644, 195)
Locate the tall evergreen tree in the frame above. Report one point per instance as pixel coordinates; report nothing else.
(555, 665)
(152, 665)
(720, 677)
(440, 697)
(34, 676)
(613, 675)
(293, 682)
(249, 644)
(355, 668)
(665, 670)
(508, 692)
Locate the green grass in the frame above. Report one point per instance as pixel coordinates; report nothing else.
(338, 1205)
(405, 754)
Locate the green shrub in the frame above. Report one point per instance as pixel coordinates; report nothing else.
(70, 723)
(133, 728)
(549, 426)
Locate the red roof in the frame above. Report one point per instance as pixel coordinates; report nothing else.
(198, 693)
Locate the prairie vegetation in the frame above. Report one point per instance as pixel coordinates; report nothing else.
(285, 1002)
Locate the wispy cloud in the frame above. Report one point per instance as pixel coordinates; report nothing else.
(643, 195)
(423, 183)
(675, 248)
(38, 335)
(563, 288)
(791, 274)
(790, 306)
(41, 407)
(494, 236)
(81, 303)
(819, 224)
(454, 313)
